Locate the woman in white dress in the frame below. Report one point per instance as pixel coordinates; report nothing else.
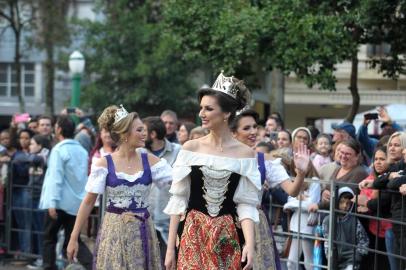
(244, 128)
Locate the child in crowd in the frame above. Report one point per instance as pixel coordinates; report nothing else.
(345, 226)
(322, 155)
(300, 220)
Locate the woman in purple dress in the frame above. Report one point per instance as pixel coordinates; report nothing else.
(126, 239)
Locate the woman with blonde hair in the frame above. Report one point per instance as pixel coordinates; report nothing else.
(126, 239)
(393, 179)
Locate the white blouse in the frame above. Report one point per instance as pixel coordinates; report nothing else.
(275, 172)
(245, 196)
(161, 173)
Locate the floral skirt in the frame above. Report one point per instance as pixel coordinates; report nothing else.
(264, 247)
(209, 243)
(119, 244)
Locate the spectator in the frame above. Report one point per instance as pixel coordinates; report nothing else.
(39, 151)
(85, 133)
(343, 131)
(393, 179)
(170, 120)
(322, 156)
(284, 139)
(261, 135)
(33, 124)
(388, 128)
(279, 117)
(184, 132)
(345, 227)
(21, 194)
(264, 147)
(45, 125)
(198, 132)
(349, 171)
(310, 193)
(161, 147)
(63, 191)
(301, 135)
(273, 124)
(103, 147)
(380, 236)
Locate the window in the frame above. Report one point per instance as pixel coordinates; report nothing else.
(8, 80)
(380, 50)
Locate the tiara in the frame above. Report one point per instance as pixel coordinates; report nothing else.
(226, 85)
(121, 113)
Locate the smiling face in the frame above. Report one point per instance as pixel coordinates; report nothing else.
(211, 114)
(247, 131)
(348, 156)
(137, 134)
(323, 146)
(301, 137)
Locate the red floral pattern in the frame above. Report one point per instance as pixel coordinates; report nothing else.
(209, 243)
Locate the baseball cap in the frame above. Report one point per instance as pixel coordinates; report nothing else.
(347, 127)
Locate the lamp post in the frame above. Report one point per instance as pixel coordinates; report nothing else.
(76, 67)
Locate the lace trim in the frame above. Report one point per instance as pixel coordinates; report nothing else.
(215, 186)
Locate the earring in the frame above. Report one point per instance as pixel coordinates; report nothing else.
(225, 119)
(126, 139)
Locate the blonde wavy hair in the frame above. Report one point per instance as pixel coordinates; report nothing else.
(117, 130)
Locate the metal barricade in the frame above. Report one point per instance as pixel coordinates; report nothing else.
(333, 243)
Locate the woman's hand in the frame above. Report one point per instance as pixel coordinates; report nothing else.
(72, 250)
(302, 158)
(247, 256)
(365, 184)
(325, 195)
(402, 189)
(313, 208)
(170, 259)
(361, 201)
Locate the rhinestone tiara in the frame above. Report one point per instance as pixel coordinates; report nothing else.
(226, 85)
(121, 113)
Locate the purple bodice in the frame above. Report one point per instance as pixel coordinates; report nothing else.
(128, 194)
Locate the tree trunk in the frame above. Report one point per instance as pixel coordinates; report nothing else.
(17, 63)
(354, 89)
(277, 94)
(50, 77)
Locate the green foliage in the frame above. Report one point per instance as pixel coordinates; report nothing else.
(134, 60)
(304, 37)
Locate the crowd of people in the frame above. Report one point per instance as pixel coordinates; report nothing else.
(180, 196)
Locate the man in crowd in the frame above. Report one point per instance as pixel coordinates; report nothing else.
(273, 124)
(63, 191)
(161, 147)
(343, 132)
(170, 120)
(45, 125)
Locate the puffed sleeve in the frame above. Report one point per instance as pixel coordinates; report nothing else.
(161, 173)
(247, 193)
(180, 188)
(275, 172)
(96, 182)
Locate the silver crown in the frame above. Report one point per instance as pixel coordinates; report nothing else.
(226, 85)
(121, 113)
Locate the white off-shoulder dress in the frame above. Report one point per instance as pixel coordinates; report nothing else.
(214, 194)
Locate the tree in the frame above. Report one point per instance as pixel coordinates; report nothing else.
(134, 61)
(51, 32)
(304, 37)
(18, 15)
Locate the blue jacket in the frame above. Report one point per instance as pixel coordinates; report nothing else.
(368, 143)
(66, 177)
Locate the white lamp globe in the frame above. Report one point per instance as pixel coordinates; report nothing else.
(76, 63)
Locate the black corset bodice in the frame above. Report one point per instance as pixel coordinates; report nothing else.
(212, 192)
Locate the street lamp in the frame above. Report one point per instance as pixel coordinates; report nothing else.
(76, 67)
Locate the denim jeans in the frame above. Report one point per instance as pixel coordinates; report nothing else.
(22, 198)
(389, 242)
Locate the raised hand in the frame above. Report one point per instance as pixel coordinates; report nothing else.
(302, 158)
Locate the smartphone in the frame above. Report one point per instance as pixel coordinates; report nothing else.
(273, 136)
(71, 110)
(371, 116)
